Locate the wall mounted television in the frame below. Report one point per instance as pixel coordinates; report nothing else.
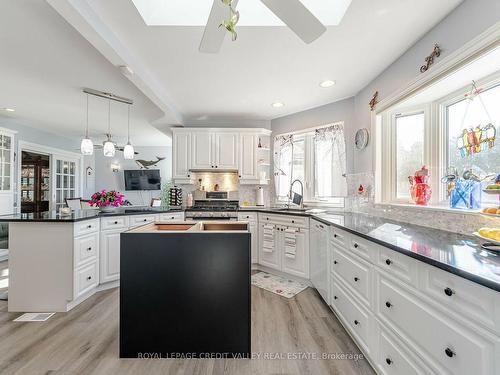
(142, 179)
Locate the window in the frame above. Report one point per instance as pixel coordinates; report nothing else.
(453, 136)
(409, 149)
(316, 157)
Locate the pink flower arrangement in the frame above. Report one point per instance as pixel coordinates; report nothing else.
(105, 198)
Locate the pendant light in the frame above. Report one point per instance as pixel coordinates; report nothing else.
(128, 150)
(87, 147)
(109, 147)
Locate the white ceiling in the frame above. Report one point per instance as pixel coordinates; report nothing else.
(265, 64)
(252, 12)
(44, 65)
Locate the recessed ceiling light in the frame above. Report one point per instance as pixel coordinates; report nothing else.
(7, 109)
(327, 83)
(278, 104)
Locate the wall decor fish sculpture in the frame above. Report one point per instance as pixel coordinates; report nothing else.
(145, 164)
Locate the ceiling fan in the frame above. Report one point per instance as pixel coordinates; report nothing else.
(223, 17)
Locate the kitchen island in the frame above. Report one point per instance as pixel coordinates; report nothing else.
(185, 290)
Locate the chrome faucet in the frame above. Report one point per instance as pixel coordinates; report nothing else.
(301, 193)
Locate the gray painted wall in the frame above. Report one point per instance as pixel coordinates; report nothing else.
(109, 180)
(468, 20)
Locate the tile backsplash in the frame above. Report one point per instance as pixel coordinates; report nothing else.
(454, 221)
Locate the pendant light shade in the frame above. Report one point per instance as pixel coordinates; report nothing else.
(87, 147)
(128, 150)
(109, 149)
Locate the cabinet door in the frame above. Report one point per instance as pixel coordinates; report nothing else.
(181, 155)
(254, 231)
(270, 258)
(248, 160)
(110, 256)
(226, 150)
(318, 257)
(202, 155)
(298, 265)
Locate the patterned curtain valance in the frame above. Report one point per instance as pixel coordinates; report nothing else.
(329, 132)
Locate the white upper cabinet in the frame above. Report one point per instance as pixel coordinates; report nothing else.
(226, 150)
(181, 155)
(248, 158)
(234, 149)
(202, 150)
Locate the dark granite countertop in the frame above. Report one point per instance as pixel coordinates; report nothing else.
(459, 254)
(53, 216)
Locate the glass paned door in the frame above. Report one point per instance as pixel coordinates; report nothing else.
(65, 181)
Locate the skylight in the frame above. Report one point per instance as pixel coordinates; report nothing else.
(253, 12)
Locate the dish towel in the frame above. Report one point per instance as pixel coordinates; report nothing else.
(268, 239)
(290, 243)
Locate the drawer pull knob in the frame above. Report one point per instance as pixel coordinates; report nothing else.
(388, 304)
(450, 353)
(293, 221)
(388, 261)
(335, 262)
(89, 248)
(89, 226)
(356, 322)
(116, 222)
(388, 361)
(89, 278)
(335, 236)
(356, 245)
(335, 297)
(448, 291)
(356, 279)
(248, 217)
(145, 220)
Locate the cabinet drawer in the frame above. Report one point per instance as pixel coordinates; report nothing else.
(393, 359)
(398, 265)
(287, 220)
(460, 296)
(340, 238)
(449, 347)
(85, 227)
(85, 278)
(137, 220)
(171, 216)
(85, 249)
(354, 272)
(117, 222)
(356, 319)
(247, 216)
(364, 248)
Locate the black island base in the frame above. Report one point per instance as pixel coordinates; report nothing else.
(185, 291)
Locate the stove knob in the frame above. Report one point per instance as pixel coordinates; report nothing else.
(211, 214)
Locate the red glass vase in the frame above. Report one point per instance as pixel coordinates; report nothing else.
(421, 194)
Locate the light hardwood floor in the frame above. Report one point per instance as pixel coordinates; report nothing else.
(85, 341)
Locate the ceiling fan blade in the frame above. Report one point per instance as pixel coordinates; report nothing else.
(297, 17)
(213, 36)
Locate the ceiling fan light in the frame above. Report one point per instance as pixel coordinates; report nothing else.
(87, 147)
(109, 149)
(128, 151)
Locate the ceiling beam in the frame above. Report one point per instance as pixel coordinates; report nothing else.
(80, 15)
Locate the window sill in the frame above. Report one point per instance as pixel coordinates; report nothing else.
(459, 211)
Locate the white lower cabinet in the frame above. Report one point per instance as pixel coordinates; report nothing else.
(253, 226)
(290, 256)
(318, 254)
(409, 317)
(110, 255)
(86, 278)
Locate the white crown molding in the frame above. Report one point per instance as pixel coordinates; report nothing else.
(81, 15)
(458, 58)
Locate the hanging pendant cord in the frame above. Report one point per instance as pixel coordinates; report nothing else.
(109, 119)
(87, 128)
(128, 126)
(481, 100)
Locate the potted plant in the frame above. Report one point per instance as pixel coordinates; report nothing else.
(107, 201)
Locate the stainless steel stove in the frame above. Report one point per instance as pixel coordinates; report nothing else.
(215, 205)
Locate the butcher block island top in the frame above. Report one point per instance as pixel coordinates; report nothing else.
(185, 290)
